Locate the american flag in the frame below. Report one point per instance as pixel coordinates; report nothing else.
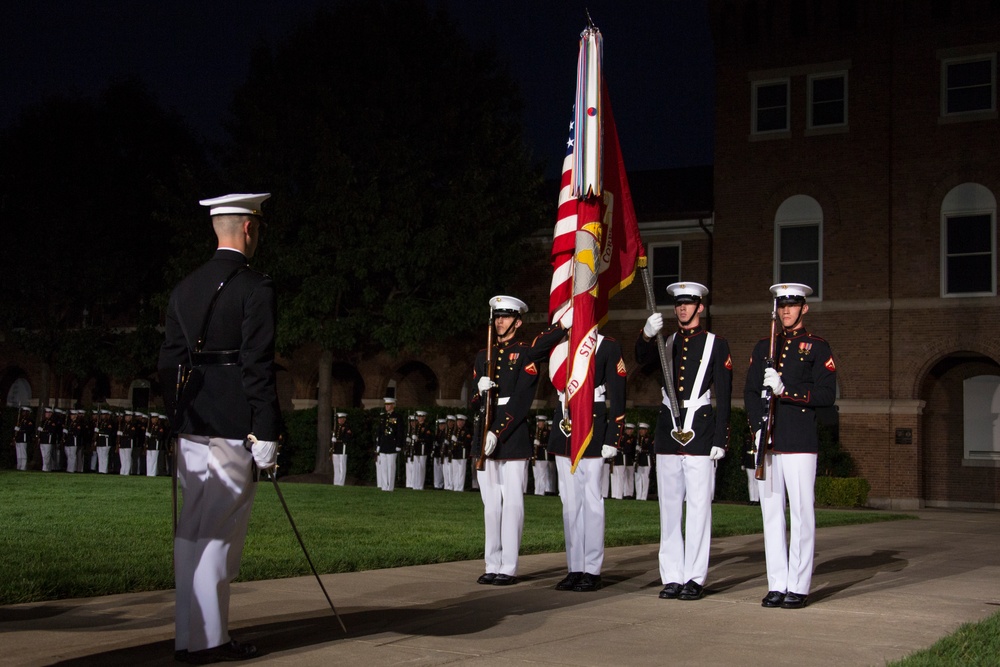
(595, 249)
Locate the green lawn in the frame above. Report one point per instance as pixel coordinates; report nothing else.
(66, 536)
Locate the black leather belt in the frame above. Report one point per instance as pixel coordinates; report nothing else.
(215, 358)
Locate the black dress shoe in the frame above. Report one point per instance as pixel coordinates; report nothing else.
(588, 582)
(671, 591)
(794, 601)
(773, 599)
(504, 580)
(692, 591)
(569, 582)
(231, 652)
(486, 578)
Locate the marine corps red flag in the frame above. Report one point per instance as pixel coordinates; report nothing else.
(595, 245)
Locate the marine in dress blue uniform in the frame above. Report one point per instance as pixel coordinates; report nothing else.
(688, 444)
(390, 437)
(508, 438)
(644, 456)
(803, 378)
(230, 399)
(340, 437)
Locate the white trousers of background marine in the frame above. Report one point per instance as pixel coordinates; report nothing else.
(385, 469)
(680, 479)
(583, 513)
(215, 476)
(457, 474)
(501, 485)
(22, 455)
(641, 482)
(339, 469)
(789, 565)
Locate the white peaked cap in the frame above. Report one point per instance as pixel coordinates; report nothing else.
(687, 292)
(460, 416)
(341, 414)
(643, 425)
(509, 304)
(791, 291)
(235, 204)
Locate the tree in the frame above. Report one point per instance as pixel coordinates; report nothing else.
(403, 191)
(89, 189)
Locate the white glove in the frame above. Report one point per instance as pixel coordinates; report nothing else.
(566, 320)
(537, 442)
(717, 453)
(265, 452)
(491, 442)
(120, 433)
(333, 438)
(409, 438)
(18, 428)
(485, 384)
(454, 438)
(773, 380)
(756, 438)
(654, 323)
(608, 452)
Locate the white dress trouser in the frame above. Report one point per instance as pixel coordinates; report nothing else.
(641, 482)
(339, 469)
(22, 455)
(152, 462)
(386, 469)
(752, 489)
(583, 513)
(684, 557)
(501, 485)
(458, 467)
(629, 482)
(48, 463)
(606, 480)
(125, 457)
(437, 465)
(216, 480)
(789, 566)
(618, 482)
(419, 475)
(71, 458)
(541, 473)
(102, 459)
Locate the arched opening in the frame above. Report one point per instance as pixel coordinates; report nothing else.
(415, 385)
(950, 477)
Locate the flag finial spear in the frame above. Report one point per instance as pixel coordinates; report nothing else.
(590, 21)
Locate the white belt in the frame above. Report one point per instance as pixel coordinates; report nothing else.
(691, 403)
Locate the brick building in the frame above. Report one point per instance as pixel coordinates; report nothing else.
(857, 151)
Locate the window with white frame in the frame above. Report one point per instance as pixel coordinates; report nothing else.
(770, 106)
(827, 100)
(798, 241)
(968, 241)
(968, 85)
(665, 269)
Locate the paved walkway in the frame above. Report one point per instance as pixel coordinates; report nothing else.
(880, 592)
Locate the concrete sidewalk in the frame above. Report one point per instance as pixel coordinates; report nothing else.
(880, 592)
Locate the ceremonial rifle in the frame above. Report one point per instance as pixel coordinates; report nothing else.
(767, 428)
(666, 365)
(486, 411)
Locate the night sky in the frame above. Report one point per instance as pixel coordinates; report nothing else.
(192, 55)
